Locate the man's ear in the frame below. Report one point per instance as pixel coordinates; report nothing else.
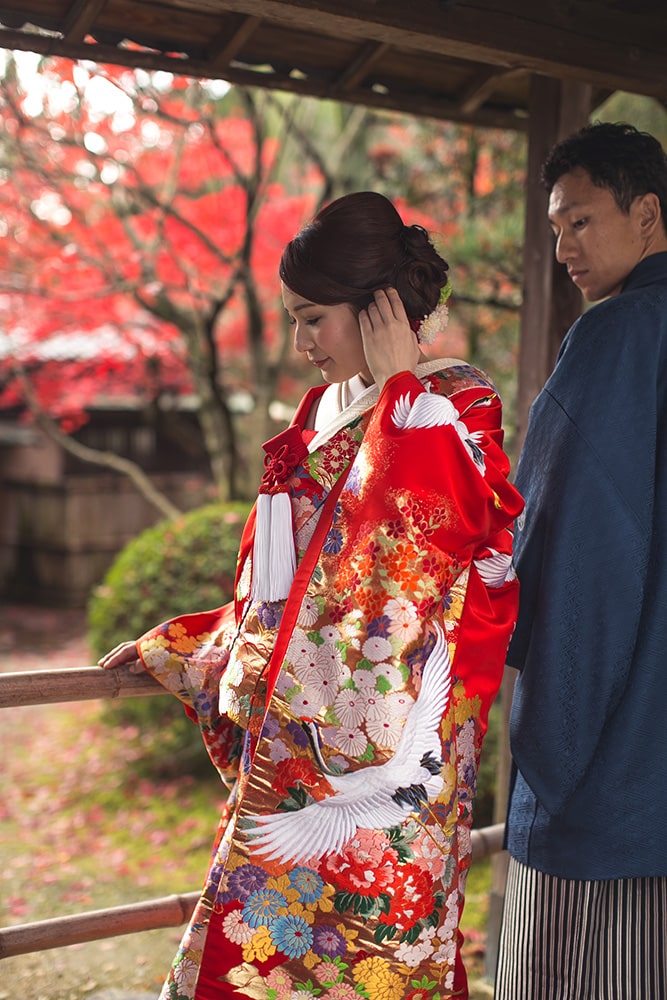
(650, 213)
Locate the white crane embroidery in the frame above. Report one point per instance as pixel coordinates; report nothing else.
(429, 410)
(374, 797)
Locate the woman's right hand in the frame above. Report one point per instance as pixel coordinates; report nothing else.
(124, 652)
(390, 345)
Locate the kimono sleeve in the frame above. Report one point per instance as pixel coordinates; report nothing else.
(437, 459)
(187, 656)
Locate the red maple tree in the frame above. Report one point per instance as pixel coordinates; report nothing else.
(144, 216)
(141, 246)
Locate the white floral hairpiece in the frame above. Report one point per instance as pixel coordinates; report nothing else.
(436, 321)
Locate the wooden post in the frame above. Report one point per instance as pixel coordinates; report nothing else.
(551, 303)
(537, 252)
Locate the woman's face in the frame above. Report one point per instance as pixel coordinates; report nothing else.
(329, 336)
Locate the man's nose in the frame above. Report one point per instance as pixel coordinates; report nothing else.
(564, 248)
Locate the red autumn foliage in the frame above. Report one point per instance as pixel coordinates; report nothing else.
(131, 236)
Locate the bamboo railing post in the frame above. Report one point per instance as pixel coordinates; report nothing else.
(47, 687)
(77, 928)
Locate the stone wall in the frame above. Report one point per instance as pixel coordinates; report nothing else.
(63, 521)
(59, 534)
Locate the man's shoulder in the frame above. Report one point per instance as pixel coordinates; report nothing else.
(627, 303)
(645, 289)
(638, 312)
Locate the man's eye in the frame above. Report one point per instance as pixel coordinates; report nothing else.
(580, 223)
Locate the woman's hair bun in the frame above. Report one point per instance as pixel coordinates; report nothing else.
(358, 244)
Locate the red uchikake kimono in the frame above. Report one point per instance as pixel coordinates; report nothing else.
(350, 717)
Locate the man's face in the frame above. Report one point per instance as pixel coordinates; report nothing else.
(599, 243)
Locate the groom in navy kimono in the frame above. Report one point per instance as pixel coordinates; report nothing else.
(586, 903)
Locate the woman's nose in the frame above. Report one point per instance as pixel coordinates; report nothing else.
(303, 341)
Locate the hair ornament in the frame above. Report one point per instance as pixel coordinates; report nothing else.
(436, 321)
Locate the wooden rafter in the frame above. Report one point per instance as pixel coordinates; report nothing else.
(481, 87)
(80, 18)
(356, 71)
(574, 42)
(415, 102)
(228, 44)
(464, 60)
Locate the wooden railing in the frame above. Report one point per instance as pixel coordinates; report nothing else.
(45, 687)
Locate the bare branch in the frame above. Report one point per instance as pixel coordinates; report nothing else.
(493, 303)
(93, 455)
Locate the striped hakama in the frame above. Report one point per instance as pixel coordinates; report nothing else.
(564, 939)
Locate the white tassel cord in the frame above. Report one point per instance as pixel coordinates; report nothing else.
(274, 554)
(260, 551)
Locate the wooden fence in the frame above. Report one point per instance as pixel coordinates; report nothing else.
(45, 687)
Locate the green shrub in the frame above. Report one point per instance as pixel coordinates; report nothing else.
(177, 567)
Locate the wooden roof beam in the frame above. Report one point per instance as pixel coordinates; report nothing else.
(565, 46)
(422, 105)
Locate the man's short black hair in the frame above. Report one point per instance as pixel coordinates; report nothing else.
(617, 156)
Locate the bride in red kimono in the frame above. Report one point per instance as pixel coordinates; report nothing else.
(344, 694)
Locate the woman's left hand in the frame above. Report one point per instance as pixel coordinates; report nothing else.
(389, 343)
(120, 655)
